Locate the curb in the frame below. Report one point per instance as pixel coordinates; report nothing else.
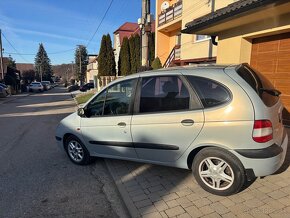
(126, 198)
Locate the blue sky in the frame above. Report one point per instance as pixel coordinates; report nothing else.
(61, 25)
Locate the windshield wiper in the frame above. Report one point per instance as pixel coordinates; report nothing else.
(273, 92)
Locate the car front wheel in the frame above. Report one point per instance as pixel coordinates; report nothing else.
(76, 151)
(218, 171)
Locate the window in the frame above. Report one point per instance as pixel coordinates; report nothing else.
(259, 83)
(211, 93)
(201, 38)
(113, 101)
(166, 93)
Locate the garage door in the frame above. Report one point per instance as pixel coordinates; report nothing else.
(271, 56)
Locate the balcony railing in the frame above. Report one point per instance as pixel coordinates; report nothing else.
(173, 56)
(170, 13)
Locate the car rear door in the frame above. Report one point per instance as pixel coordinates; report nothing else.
(167, 118)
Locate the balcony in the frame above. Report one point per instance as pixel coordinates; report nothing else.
(170, 13)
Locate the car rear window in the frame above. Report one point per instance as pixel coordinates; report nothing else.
(259, 83)
(210, 92)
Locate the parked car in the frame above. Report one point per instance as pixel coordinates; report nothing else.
(36, 86)
(87, 87)
(3, 92)
(72, 88)
(222, 122)
(46, 85)
(5, 88)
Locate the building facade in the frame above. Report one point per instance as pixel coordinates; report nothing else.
(174, 48)
(92, 69)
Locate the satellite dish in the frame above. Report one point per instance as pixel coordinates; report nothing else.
(164, 6)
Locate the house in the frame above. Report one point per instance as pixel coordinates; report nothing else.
(126, 30)
(252, 31)
(92, 68)
(24, 67)
(174, 48)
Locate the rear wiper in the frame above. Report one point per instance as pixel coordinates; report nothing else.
(273, 92)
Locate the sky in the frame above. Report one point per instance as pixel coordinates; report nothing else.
(61, 25)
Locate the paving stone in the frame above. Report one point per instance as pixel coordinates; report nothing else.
(236, 199)
(139, 197)
(265, 189)
(219, 208)
(202, 202)
(147, 209)
(136, 192)
(156, 188)
(143, 203)
(277, 194)
(247, 196)
(175, 211)
(163, 214)
(286, 189)
(184, 215)
(276, 204)
(239, 208)
(285, 201)
(161, 205)
(193, 211)
(192, 197)
(184, 192)
(229, 215)
(212, 215)
(205, 210)
(172, 203)
(227, 202)
(154, 197)
(215, 198)
(252, 203)
(152, 215)
(170, 197)
(184, 202)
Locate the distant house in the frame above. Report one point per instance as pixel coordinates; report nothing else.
(128, 29)
(92, 68)
(24, 67)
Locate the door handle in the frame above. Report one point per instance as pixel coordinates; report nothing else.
(122, 124)
(187, 122)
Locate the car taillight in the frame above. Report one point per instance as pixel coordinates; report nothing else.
(263, 131)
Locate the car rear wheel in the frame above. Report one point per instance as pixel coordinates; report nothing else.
(218, 171)
(77, 152)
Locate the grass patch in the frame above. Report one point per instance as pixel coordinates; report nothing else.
(83, 98)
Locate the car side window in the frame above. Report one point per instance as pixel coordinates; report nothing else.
(163, 93)
(119, 98)
(211, 93)
(96, 106)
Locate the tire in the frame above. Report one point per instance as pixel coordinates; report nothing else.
(223, 173)
(76, 151)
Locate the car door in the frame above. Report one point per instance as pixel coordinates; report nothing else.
(167, 118)
(106, 127)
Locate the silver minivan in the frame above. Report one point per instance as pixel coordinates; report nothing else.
(222, 122)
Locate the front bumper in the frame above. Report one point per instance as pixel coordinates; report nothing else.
(265, 161)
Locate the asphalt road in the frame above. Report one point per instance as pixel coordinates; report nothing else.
(36, 177)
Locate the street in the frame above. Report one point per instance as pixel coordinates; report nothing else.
(37, 179)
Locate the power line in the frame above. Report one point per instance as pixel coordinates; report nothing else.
(100, 23)
(14, 48)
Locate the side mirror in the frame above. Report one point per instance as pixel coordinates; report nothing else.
(81, 112)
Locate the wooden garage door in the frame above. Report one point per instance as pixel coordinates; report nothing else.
(271, 56)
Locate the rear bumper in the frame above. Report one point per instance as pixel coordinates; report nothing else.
(266, 161)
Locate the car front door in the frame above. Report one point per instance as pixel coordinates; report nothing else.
(167, 118)
(106, 127)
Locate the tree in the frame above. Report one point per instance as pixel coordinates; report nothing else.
(81, 61)
(11, 62)
(137, 40)
(151, 47)
(156, 64)
(132, 55)
(125, 66)
(106, 58)
(42, 64)
(28, 76)
(111, 64)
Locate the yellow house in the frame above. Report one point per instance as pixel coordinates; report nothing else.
(174, 48)
(252, 31)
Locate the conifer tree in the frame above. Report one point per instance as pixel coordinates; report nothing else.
(111, 64)
(125, 67)
(81, 61)
(102, 58)
(42, 64)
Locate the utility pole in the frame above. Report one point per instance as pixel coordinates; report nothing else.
(81, 82)
(1, 58)
(210, 47)
(145, 24)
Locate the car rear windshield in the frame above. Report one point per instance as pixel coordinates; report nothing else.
(259, 83)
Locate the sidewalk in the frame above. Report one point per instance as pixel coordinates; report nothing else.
(13, 97)
(157, 191)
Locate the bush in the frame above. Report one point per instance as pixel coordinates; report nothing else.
(156, 64)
